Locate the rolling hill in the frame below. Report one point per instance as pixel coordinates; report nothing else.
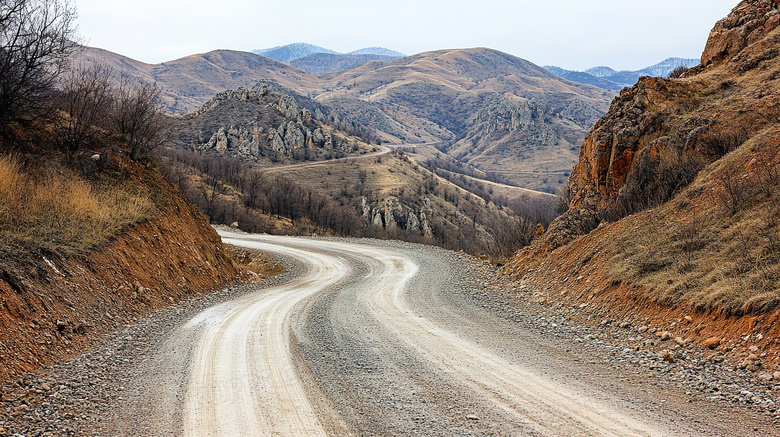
(189, 82)
(318, 60)
(469, 97)
(444, 95)
(607, 78)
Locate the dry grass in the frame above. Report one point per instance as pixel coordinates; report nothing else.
(60, 212)
(706, 251)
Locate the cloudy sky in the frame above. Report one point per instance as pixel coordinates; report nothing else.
(574, 34)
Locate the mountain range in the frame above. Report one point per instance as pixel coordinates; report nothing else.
(317, 60)
(445, 95)
(610, 79)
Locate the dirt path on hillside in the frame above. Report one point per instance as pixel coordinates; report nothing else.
(383, 150)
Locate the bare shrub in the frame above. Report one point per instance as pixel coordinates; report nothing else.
(721, 140)
(137, 115)
(655, 179)
(678, 72)
(35, 44)
(84, 102)
(735, 189)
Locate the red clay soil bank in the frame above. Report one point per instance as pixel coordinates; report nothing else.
(55, 308)
(574, 277)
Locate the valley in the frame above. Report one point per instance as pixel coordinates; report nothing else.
(469, 98)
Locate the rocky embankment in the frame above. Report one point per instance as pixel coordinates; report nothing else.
(58, 306)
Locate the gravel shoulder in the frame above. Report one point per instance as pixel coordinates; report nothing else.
(417, 341)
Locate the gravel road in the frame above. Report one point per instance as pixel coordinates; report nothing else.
(361, 337)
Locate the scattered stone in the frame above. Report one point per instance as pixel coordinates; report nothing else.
(666, 354)
(472, 417)
(711, 343)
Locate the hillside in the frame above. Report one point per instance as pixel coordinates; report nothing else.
(245, 159)
(189, 82)
(317, 60)
(673, 220)
(69, 271)
(319, 63)
(289, 52)
(268, 124)
(445, 95)
(472, 98)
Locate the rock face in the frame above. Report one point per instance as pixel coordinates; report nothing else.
(392, 214)
(657, 132)
(526, 135)
(750, 21)
(608, 152)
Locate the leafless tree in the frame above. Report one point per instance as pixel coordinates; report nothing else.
(85, 101)
(138, 116)
(36, 40)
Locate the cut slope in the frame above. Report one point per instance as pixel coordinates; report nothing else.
(53, 305)
(703, 260)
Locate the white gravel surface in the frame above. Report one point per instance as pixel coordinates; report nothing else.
(362, 337)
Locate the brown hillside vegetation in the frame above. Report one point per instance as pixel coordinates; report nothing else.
(681, 178)
(87, 255)
(91, 235)
(189, 82)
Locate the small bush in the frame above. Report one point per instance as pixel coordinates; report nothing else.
(654, 180)
(678, 72)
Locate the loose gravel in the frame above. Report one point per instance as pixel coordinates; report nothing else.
(701, 392)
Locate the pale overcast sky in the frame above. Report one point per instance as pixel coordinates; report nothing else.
(574, 34)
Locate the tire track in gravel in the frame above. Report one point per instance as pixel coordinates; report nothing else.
(242, 379)
(541, 405)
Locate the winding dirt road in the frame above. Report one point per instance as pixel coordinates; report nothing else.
(388, 339)
(245, 379)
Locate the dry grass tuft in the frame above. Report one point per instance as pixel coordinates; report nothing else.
(60, 212)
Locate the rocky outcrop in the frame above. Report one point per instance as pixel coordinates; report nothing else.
(246, 140)
(264, 123)
(255, 94)
(750, 21)
(654, 129)
(608, 152)
(392, 214)
(521, 137)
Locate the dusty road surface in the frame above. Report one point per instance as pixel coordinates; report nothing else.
(364, 337)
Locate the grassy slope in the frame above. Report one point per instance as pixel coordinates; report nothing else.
(89, 262)
(706, 263)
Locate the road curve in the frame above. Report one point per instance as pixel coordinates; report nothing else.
(244, 379)
(384, 149)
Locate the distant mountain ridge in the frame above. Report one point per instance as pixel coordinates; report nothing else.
(318, 60)
(460, 96)
(610, 79)
(289, 52)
